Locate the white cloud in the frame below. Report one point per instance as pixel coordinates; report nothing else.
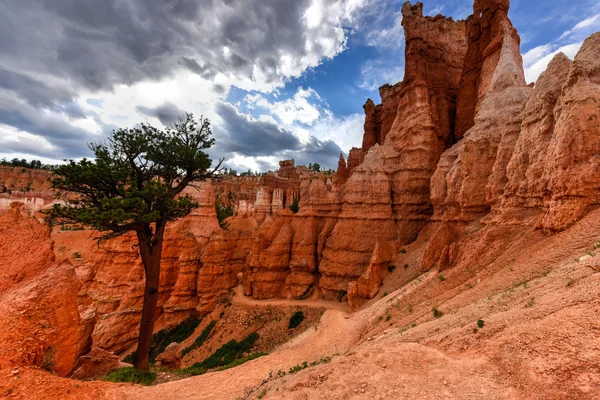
(536, 60)
(292, 110)
(540, 57)
(590, 22)
(376, 73)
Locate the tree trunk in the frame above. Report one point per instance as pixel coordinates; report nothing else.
(151, 252)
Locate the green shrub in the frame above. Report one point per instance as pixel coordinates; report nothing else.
(403, 251)
(294, 206)
(296, 319)
(164, 337)
(480, 323)
(441, 277)
(201, 338)
(225, 355)
(130, 374)
(391, 268)
(242, 360)
(436, 313)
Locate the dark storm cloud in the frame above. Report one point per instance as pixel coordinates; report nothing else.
(247, 137)
(324, 152)
(167, 113)
(51, 51)
(252, 138)
(97, 44)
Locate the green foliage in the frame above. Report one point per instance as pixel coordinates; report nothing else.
(77, 255)
(314, 167)
(34, 164)
(130, 374)
(391, 268)
(223, 212)
(403, 251)
(201, 338)
(296, 319)
(164, 337)
(436, 313)
(480, 323)
(225, 355)
(242, 360)
(49, 361)
(136, 179)
(304, 365)
(294, 206)
(441, 277)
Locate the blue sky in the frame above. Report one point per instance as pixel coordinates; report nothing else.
(278, 78)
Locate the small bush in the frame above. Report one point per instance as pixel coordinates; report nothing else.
(480, 323)
(385, 294)
(294, 206)
(164, 337)
(201, 338)
(296, 319)
(441, 277)
(405, 266)
(77, 255)
(49, 361)
(130, 374)
(225, 355)
(391, 268)
(403, 251)
(436, 313)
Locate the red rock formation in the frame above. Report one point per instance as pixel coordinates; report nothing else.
(25, 248)
(486, 28)
(390, 96)
(372, 134)
(355, 158)
(387, 197)
(38, 302)
(367, 286)
(342, 174)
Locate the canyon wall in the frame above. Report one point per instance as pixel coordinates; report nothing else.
(458, 151)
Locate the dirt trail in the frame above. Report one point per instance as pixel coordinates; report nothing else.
(241, 299)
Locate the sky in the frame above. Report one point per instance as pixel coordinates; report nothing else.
(278, 79)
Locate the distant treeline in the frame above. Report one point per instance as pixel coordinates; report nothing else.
(36, 164)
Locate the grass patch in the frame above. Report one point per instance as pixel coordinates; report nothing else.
(227, 354)
(201, 338)
(164, 337)
(130, 374)
(304, 365)
(296, 319)
(242, 360)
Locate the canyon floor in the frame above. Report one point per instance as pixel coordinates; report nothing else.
(540, 339)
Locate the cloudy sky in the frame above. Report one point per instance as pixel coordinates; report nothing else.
(278, 79)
